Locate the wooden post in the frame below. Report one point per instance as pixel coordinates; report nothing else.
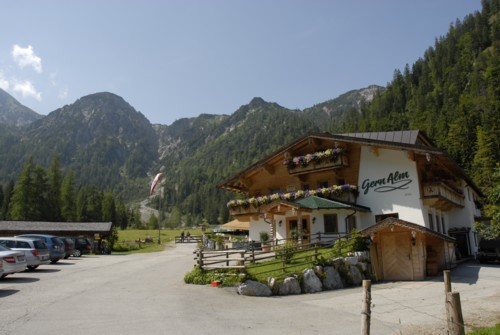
(365, 308)
(454, 311)
(447, 289)
(253, 252)
(227, 255)
(447, 282)
(200, 258)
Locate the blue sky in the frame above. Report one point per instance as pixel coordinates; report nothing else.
(176, 59)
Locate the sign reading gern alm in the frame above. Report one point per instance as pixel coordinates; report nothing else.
(394, 181)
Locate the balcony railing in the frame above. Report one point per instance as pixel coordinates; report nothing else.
(442, 196)
(340, 162)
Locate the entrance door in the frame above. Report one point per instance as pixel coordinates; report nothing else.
(396, 256)
(293, 229)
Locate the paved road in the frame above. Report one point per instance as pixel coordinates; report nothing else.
(145, 294)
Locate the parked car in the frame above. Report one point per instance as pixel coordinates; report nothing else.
(12, 261)
(83, 246)
(489, 250)
(36, 251)
(69, 246)
(54, 243)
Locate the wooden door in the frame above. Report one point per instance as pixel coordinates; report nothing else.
(396, 256)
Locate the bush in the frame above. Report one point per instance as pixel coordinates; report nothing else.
(199, 276)
(286, 250)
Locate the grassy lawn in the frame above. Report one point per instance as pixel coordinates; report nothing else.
(487, 331)
(127, 239)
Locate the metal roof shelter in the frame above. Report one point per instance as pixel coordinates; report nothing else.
(12, 228)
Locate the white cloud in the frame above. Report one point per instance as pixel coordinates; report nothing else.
(4, 83)
(26, 57)
(63, 94)
(27, 89)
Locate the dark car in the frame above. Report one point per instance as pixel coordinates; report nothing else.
(54, 243)
(83, 246)
(489, 251)
(69, 246)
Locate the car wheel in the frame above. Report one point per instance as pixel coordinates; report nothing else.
(32, 267)
(3, 276)
(53, 261)
(77, 253)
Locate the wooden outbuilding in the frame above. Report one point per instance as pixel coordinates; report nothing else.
(401, 250)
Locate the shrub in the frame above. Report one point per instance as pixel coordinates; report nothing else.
(286, 251)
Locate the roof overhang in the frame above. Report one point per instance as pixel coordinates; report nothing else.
(315, 202)
(388, 222)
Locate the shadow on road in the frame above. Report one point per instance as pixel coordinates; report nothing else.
(466, 273)
(17, 279)
(6, 293)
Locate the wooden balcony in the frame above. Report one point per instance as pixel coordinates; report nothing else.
(441, 196)
(340, 162)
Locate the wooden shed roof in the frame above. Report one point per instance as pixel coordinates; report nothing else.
(386, 223)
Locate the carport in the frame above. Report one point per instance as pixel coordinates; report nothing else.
(85, 229)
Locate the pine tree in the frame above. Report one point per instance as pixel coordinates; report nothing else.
(21, 207)
(54, 190)
(68, 198)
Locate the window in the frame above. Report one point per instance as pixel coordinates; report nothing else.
(431, 222)
(438, 226)
(331, 223)
(323, 184)
(442, 225)
(305, 186)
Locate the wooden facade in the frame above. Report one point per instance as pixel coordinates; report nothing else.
(402, 250)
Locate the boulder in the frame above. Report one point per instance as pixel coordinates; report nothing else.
(332, 279)
(254, 288)
(356, 275)
(311, 282)
(290, 286)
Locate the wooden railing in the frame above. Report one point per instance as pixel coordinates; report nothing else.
(440, 195)
(279, 255)
(340, 162)
(189, 239)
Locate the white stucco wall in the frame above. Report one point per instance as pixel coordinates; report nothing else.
(388, 183)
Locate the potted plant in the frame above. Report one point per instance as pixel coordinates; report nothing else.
(264, 238)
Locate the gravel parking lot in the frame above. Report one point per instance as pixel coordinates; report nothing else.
(145, 294)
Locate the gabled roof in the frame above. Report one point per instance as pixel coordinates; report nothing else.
(397, 222)
(315, 202)
(411, 140)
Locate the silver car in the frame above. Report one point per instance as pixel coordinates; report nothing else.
(12, 261)
(36, 251)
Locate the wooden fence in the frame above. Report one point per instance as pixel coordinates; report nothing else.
(190, 239)
(282, 254)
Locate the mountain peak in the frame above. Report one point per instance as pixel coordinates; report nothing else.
(13, 113)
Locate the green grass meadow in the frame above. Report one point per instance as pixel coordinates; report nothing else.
(128, 239)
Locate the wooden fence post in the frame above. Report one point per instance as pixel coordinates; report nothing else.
(366, 307)
(447, 289)
(227, 255)
(200, 258)
(253, 252)
(454, 312)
